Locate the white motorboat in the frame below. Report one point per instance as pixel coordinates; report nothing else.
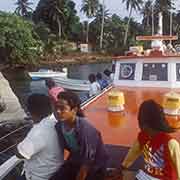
(47, 73)
(73, 84)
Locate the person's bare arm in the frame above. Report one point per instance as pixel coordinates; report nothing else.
(82, 173)
(132, 155)
(174, 149)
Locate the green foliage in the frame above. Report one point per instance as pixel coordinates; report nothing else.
(59, 16)
(19, 44)
(43, 31)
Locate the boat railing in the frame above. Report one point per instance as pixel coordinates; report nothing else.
(12, 162)
(94, 98)
(8, 166)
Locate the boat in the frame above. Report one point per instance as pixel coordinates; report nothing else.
(47, 73)
(72, 84)
(152, 74)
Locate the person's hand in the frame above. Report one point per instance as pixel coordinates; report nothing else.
(117, 173)
(82, 173)
(114, 174)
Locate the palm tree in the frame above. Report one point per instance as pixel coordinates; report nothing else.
(147, 14)
(131, 5)
(56, 13)
(166, 7)
(23, 7)
(102, 25)
(89, 7)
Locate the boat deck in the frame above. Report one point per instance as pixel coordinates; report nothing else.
(119, 129)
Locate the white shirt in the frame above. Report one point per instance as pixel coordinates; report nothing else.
(95, 88)
(144, 176)
(41, 150)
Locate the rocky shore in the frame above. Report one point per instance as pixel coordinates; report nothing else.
(12, 110)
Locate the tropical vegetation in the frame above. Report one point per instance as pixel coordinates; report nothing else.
(53, 26)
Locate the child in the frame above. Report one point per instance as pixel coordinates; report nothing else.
(87, 158)
(40, 148)
(53, 90)
(161, 152)
(94, 86)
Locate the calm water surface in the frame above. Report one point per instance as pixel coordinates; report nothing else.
(23, 87)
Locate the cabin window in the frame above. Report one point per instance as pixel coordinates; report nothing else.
(127, 71)
(155, 72)
(178, 72)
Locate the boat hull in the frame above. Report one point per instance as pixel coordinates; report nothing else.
(72, 84)
(44, 75)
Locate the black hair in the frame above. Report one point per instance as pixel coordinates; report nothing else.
(73, 101)
(92, 78)
(99, 75)
(39, 105)
(113, 68)
(50, 83)
(107, 72)
(151, 115)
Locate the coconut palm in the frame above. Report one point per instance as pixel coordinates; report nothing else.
(131, 5)
(23, 7)
(147, 13)
(102, 25)
(89, 7)
(56, 13)
(166, 7)
(97, 25)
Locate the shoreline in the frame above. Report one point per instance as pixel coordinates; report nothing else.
(76, 59)
(59, 62)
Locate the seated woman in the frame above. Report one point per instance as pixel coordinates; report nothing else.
(94, 86)
(103, 83)
(87, 159)
(160, 150)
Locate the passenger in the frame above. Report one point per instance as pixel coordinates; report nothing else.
(103, 82)
(170, 48)
(95, 87)
(110, 75)
(40, 148)
(160, 150)
(53, 90)
(87, 158)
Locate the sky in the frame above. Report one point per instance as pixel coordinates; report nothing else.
(114, 6)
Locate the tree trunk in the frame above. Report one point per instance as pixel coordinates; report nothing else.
(59, 27)
(127, 27)
(87, 33)
(102, 27)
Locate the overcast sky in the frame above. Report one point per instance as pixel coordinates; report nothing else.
(114, 6)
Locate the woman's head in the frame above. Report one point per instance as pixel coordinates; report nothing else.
(92, 78)
(107, 72)
(39, 106)
(151, 116)
(50, 83)
(99, 75)
(68, 106)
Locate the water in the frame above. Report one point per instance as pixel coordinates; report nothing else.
(23, 86)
